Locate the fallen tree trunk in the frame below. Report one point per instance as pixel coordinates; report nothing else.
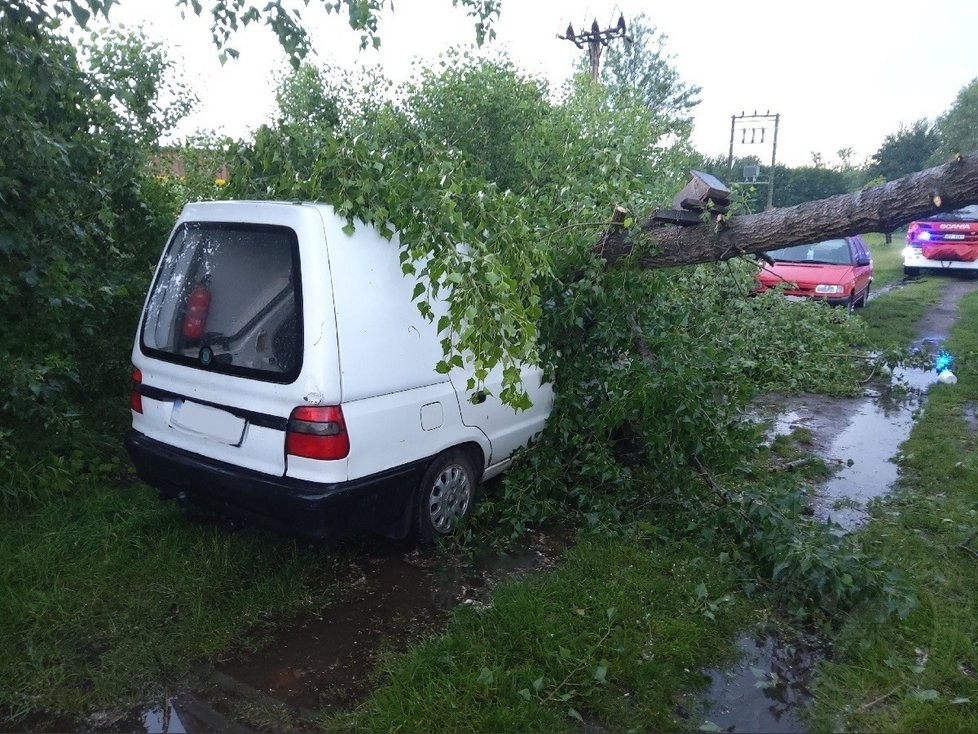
(881, 208)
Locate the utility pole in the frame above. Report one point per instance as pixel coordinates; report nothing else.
(596, 39)
(753, 129)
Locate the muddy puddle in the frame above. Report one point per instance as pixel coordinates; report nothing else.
(767, 689)
(859, 438)
(397, 594)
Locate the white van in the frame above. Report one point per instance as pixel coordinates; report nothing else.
(283, 375)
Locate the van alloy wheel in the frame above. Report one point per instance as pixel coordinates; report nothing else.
(445, 495)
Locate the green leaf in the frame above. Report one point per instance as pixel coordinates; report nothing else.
(573, 713)
(524, 693)
(538, 684)
(486, 677)
(82, 15)
(600, 673)
(928, 694)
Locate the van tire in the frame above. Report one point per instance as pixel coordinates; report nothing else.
(444, 496)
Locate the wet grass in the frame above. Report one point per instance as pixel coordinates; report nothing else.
(614, 635)
(892, 318)
(887, 258)
(921, 673)
(107, 596)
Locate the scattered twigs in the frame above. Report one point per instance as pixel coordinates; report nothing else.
(965, 545)
(867, 706)
(640, 344)
(585, 661)
(850, 355)
(717, 488)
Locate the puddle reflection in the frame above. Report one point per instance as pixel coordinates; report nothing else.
(866, 448)
(163, 721)
(766, 691)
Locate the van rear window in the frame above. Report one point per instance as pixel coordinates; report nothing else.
(227, 299)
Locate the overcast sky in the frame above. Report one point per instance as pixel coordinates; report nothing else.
(841, 73)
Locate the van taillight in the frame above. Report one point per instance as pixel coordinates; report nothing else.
(135, 397)
(317, 433)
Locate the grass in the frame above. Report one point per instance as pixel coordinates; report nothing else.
(887, 258)
(892, 318)
(109, 595)
(612, 636)
(920, 673)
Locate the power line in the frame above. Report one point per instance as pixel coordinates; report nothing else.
(596, 39)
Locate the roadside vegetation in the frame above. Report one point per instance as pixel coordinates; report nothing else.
(109, 597)
(920, 673)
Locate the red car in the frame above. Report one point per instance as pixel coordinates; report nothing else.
(947, 241)
(838, 271)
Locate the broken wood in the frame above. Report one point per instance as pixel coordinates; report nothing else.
(791, 465)
(881, 208)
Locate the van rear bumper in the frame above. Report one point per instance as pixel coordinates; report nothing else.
(381, 502)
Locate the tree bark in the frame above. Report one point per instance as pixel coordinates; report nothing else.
(881, 208)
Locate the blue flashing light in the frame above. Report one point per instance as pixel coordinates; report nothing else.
(943, 362)
(924, 236)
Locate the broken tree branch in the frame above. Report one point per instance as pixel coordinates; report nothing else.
(881, 208)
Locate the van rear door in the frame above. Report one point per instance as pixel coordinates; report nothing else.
(222, 346)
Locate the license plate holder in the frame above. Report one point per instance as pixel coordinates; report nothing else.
(208, 422)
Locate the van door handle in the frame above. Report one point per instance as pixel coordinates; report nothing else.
(479, 397)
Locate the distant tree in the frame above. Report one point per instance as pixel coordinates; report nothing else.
(957, 129)
(146, 91)
(905, 151)
(304, 99)
(807, 183)
(644, 69)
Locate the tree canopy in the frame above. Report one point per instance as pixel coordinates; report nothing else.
(956, 128)
(905, 151)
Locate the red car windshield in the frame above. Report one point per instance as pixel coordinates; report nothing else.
(829, 252)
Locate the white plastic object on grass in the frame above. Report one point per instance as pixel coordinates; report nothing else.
(947, 377)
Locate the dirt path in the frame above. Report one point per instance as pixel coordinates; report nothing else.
(935, 326)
